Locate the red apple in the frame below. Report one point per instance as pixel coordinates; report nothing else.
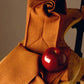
(54, 59)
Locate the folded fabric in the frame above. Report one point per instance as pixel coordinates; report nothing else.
(16, 67)
(45, 27)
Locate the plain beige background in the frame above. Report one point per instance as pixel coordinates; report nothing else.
(13, 20)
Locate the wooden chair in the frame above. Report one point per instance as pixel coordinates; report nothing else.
(76, 68)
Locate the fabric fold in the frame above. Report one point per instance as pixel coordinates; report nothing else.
(20, 66)
(41, 28)
(45, 28)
